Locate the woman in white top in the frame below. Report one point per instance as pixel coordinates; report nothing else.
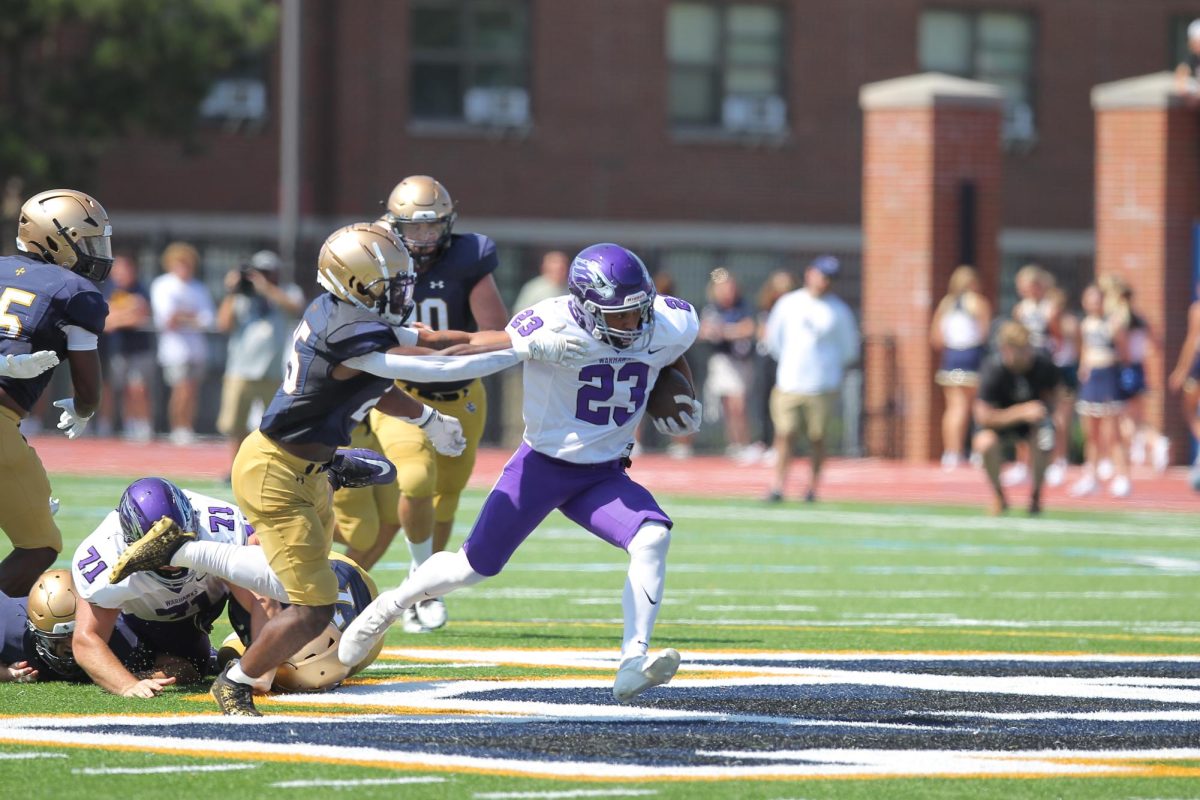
(959, 331)
(1099, 404)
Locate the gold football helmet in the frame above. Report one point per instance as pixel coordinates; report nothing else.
(51, 612)
(365, 265)
(67, 228)
(421, 212)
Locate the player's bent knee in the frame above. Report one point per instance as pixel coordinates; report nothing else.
(652, 536)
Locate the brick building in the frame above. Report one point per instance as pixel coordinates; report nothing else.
(700, 132)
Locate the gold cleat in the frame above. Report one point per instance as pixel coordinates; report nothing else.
(152, 551)
(233, 698)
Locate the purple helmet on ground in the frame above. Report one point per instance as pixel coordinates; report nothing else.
(607, 279)
(145, 502)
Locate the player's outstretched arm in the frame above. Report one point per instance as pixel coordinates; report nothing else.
(93, 627)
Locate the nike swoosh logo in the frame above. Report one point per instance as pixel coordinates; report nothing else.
(653, 602)
(654, 350)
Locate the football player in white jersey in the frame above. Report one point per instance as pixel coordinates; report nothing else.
(172, 609)
(579, 424)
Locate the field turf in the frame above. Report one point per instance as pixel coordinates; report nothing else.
(856, 650)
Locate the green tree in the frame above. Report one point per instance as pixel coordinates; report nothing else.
(77, 74)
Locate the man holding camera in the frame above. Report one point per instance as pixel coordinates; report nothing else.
(258, 314)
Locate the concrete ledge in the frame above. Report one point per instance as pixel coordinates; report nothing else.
(1156, 90)
(927, 90)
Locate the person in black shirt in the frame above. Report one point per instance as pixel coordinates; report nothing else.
(1017, 391)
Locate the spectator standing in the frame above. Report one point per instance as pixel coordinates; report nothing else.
(128, 346)
(1185, 379)
(1099, 404)
(1144, 441)
(1018, 390)
(258, 314)
(551, 281)
(183, 311)
(728, 325)
(1064, 352)
(813, 335)
(959, 330)
(777, 284)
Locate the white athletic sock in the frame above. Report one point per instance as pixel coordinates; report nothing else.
(241, 565)
(644, 587)
(441, 574)
(420, 552)
(261, 684)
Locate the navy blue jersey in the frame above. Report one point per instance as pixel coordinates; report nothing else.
(443, 292)
(311, 406)
(17, 643)
(354, 595)
(37, 301)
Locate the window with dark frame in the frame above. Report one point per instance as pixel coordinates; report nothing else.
(1177, 50)
(725, 63)
(996, 46)
(469, 62)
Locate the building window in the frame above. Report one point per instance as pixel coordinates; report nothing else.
(237, 100)
(726, 66)
(992, 46)
(470, 62)
(1178, 51)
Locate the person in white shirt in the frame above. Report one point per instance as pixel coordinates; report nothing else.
(183, 311)
(814, 337)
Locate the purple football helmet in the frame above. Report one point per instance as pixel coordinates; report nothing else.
(145, 502)
(606, 279)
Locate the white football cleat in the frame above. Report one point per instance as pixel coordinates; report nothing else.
(432, 613)
(365, 630)
(640, 673)
(411, 622)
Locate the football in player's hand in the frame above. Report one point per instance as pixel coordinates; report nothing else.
(662, 403)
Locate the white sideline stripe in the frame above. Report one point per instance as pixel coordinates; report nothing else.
(15, 756)
(388, 665)
(361, 782)
(1103, 716)
(161, 770)
(564, 794)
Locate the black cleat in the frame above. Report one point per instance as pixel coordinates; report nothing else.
(233, 698)
(152, 551)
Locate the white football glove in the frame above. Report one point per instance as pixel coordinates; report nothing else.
(669, 426)
(445, 433)
(27, 365)
(550, 346)
(70, 423)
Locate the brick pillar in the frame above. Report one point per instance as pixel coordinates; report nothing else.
(1147, 192)
(931, 152)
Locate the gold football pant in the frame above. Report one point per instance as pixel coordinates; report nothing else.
(420, 470)
(287, 500)
(25, 490)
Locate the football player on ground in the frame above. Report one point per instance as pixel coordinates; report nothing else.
(455, 290)
(35, 634)
(48, 301)
(579, 425)
(348, 349)
(170, 610)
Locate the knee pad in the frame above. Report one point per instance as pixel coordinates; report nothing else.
(653, 537)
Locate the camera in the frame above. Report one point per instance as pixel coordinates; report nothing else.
(245, 285)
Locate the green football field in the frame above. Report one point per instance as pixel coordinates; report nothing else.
(834, 650)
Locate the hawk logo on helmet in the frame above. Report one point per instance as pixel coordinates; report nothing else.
(589, 274)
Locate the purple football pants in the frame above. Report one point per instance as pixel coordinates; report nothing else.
(599, 497)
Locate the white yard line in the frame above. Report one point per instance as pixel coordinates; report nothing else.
(350, 783)
(161, 770)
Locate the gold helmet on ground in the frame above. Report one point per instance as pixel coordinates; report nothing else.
(421, 212)
(315, 667)
(365, 265)
(51, 611)
(67, 228)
